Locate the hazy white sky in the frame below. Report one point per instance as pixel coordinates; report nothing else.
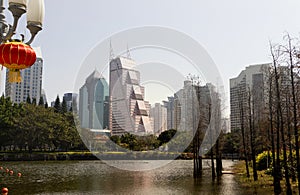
(235, 33)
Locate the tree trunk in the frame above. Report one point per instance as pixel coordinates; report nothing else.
(252, 138)
(218, 159)
(241, 107)
(213, 173)
(197, 159)
(295, 114)
(279, 124)
(276, 161)
(291, 159)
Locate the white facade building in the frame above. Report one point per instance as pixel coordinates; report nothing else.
(252, 79)
(159, 115)
(129, 112)
(31, 85)
(184, 109)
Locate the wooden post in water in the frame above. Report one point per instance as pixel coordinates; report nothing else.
(197, 168)
(197, 132)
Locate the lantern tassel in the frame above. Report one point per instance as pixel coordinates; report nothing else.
(14, 76)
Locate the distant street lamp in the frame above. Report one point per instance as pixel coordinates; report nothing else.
(14, 54)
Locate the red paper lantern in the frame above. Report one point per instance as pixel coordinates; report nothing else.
(4, 190)
(16, 56)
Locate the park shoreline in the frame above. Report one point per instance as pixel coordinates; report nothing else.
(264, 184)
(83, 155)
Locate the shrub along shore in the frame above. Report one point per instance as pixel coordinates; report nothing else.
(53, 156)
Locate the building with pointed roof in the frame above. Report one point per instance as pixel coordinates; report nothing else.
(93, 102)
(129, 112)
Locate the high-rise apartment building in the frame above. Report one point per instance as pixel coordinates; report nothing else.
(31, 85)
(251, 81)
(172, 112)
(129, 112)
(159, 115)
(186, 107)
(93, 102)
(187, 99)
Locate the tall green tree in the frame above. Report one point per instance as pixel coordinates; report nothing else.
(41, 101)
(34, 101)
(28, 100)
(6, 122)
(64, 108)
(30, 127)
(57, 105)
(130, 140)
(166, 136)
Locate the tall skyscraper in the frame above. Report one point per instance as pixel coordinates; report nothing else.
(187, 106)
(31, 85)
(186, 100)
(159, 115)
(93, 102)
(129, 112)
(171, 106)
(251, 80)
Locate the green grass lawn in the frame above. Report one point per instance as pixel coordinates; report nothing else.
(264, 185)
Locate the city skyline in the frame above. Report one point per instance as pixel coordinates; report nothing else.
(128, 107)
(237, 39)
(150, 97)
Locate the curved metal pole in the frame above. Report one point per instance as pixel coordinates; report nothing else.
(34, 28)
(17, 11)
(3, 25)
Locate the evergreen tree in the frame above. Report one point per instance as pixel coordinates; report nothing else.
(41, 101)
(166, 136)
(29, 127)
(57, 106)
(33, 101)
(64, 108)
(28, 100)
(6, 124)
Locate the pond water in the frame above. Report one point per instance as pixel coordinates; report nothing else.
(96, 177)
